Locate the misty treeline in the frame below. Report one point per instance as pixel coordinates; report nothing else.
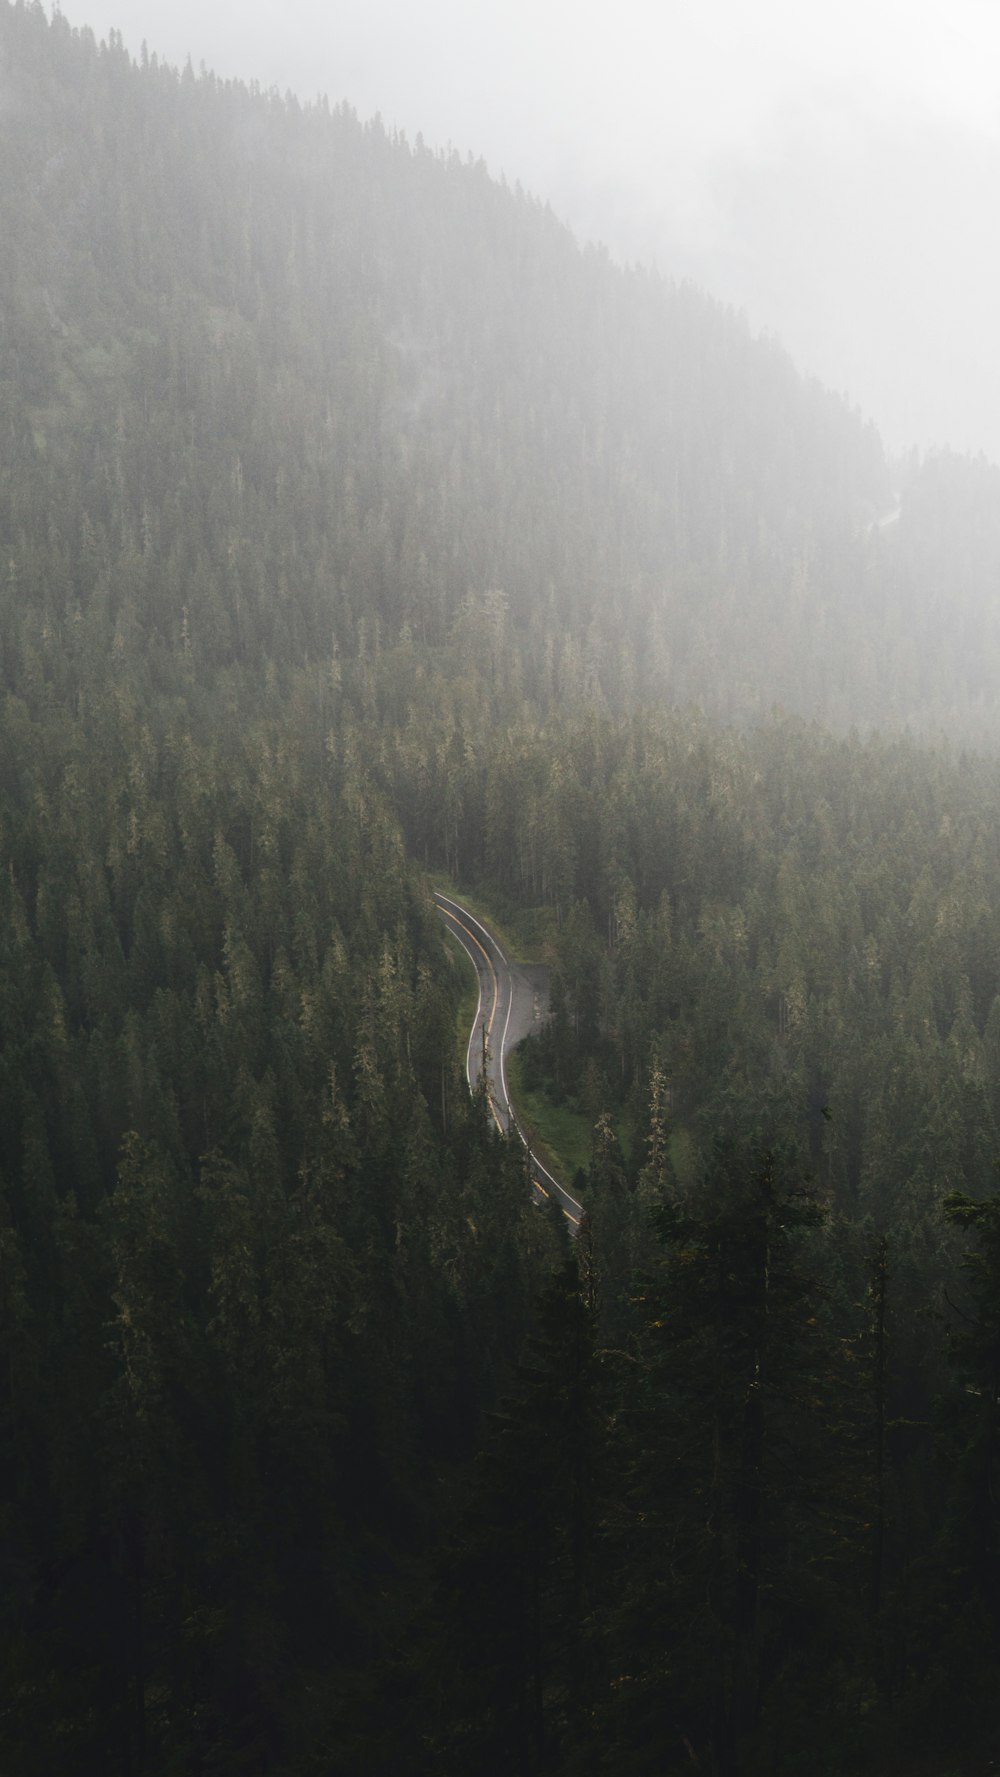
(354, 522)
(320, 383)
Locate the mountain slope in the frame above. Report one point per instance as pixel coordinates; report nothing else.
(373, 382)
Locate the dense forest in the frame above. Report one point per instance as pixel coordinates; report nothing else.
(356, 524)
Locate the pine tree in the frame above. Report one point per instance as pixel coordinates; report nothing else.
(520, 1580)
(735, 1516)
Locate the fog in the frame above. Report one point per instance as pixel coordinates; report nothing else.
(834, 177)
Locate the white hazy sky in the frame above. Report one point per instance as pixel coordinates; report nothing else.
(833, 172)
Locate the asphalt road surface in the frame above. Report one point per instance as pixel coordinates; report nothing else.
(513, 999)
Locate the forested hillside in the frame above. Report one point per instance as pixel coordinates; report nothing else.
(353, 523)
(312, 376)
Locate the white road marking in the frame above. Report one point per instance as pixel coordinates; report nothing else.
(458, 914)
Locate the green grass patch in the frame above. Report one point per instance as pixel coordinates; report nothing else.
(524, 933)
(559, 1133)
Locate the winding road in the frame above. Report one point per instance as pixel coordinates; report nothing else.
(510, 1000)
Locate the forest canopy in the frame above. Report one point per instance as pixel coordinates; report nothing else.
(356, 524)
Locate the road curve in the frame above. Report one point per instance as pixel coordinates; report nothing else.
(503, 1016)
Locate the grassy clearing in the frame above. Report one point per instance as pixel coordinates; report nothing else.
(559, 1135)
(524, 933)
